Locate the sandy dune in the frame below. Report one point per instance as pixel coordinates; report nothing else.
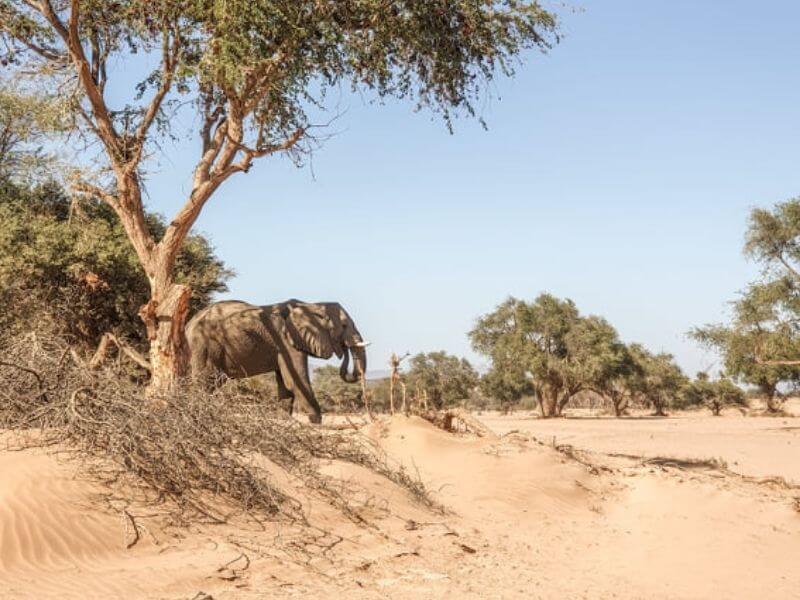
(524, 521)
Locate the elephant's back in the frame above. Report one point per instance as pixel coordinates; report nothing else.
(221, 338)
(208, 324)
(214, 315)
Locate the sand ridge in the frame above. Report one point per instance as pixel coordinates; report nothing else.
(523, 521)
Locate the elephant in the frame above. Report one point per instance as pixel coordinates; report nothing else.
(242, 340)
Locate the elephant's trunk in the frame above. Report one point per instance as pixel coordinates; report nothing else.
(359, 364)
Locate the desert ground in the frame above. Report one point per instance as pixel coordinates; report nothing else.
(560, 508)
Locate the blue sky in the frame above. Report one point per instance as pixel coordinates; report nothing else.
(618, 171)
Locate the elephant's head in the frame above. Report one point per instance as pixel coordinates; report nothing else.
(323, 329)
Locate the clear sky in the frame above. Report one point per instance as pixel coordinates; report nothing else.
(618, 171)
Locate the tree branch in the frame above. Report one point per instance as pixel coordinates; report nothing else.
(169, 59)
(93, 190)
(252, 153)
(102, 351)
(71, 36)
(789, 267)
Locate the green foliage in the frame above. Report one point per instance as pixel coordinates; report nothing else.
(764, 332)
(274, 53)
(715, 395)
(25, 121)
(656, 381)
(549, 350)
(600, 361)
(335, 394)
(773, 236)
(73, 265)
(448, 380)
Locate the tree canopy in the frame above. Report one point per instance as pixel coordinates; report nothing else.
(547, 349)
(656, 380)
(540, 347)
(715, 395)
(761, 344)
(27, 120)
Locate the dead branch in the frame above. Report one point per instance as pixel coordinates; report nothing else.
(205, 456)
(135, 527)
(104, 346)
(457, 420)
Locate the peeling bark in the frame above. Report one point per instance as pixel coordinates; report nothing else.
(165, 318)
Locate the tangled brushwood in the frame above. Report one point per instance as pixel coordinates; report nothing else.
(206, 454)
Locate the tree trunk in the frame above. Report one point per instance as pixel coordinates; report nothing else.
(165, 318)
(550, 405)
(772, 405)
(561, 403)
(617, 404)
(391, 394)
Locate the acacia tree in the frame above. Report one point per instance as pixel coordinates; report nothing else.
(761, 344)
(759, 326)
(545, 347)
(248, 68)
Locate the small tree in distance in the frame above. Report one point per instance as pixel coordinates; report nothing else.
(715, 395)
(248, 69)
(548, 348)
(334, 394)
(604, 363)
(446, 379)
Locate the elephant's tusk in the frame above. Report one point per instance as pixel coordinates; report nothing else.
(361, 344)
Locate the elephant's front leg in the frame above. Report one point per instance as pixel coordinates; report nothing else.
(285, 395)
(293, 367)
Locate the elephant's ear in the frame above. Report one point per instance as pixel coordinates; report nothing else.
(308, 330)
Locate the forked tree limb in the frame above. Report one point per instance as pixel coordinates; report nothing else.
(102, 351)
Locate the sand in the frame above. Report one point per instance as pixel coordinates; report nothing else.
(524, 521)
(755, 446)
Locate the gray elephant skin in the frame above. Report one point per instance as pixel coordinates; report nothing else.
(242, 340)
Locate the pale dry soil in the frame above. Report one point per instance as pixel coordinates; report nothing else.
(755, 446)
(523, 520)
